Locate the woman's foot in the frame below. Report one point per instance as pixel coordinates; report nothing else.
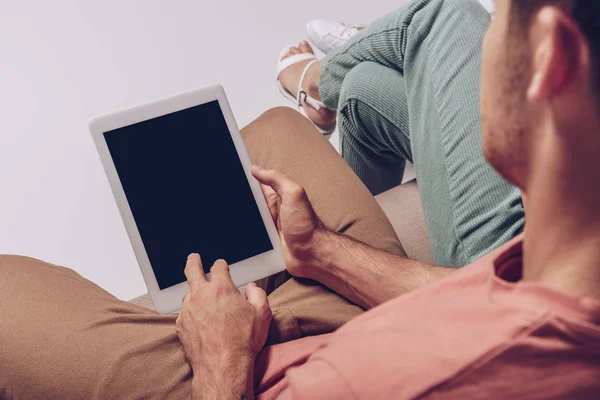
(290, 77)
(327, 35)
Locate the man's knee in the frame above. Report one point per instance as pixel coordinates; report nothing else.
(280, 113)
(274, 118)
(277, 127)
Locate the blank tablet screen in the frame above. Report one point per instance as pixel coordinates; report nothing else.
(187, 191)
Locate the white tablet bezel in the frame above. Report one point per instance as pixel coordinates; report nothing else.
(169, 300)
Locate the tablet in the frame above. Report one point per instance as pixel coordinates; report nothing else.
(180, 175)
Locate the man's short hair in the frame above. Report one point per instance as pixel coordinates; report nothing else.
(585, 12)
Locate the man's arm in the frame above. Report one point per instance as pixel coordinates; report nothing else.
(361, 273)
(365, 275)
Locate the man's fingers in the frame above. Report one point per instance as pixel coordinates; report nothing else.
(258, 298)
(272, 201)
(194, 272)
(269, 192)
(276, 180)
(220, 273)
(270, 177)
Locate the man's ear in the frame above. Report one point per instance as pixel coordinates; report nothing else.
(560, 53)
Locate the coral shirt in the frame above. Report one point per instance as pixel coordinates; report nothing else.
(480, 334)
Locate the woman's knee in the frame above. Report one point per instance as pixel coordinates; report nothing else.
(356, 94)
(358, 83)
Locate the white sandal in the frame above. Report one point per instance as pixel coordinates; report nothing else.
(302, 95)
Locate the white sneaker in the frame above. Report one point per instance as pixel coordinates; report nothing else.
(327, 35)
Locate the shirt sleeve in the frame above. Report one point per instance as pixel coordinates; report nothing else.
(315, 380)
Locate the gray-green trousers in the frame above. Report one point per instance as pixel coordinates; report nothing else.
(407, 88)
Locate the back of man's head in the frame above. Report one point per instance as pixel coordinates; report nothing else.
(541, 71)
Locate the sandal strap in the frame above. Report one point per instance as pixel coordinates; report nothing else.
(303, 96)
(288, 62)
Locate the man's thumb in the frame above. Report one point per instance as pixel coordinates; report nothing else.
(258, 298)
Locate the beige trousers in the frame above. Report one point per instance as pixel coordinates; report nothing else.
(63, 337)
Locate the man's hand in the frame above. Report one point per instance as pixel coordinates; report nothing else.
(299, 227)
(221, 331)
(362, 274)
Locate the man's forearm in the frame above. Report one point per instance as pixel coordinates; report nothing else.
(365, 275)
(233, 379)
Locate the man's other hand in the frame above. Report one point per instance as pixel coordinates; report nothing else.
(217, 325)
(298, 225)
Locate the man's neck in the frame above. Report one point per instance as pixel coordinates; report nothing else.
(562, 242)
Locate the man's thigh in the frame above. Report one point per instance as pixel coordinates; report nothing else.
(63, 337)
(283, 139)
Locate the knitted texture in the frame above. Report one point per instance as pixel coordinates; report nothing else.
(407, 88)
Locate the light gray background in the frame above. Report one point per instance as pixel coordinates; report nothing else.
(64, 61)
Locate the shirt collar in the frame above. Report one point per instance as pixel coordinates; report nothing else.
(509, 264)
(507, 281)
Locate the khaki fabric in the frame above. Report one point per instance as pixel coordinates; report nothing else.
(63, 337)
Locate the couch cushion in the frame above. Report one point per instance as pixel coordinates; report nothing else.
(144, 301)
(402, 205)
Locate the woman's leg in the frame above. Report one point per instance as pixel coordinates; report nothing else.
(373, 125)
(63, 337)
(407, 87)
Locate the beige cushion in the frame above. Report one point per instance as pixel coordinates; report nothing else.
(402, 205)
(144, 301)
